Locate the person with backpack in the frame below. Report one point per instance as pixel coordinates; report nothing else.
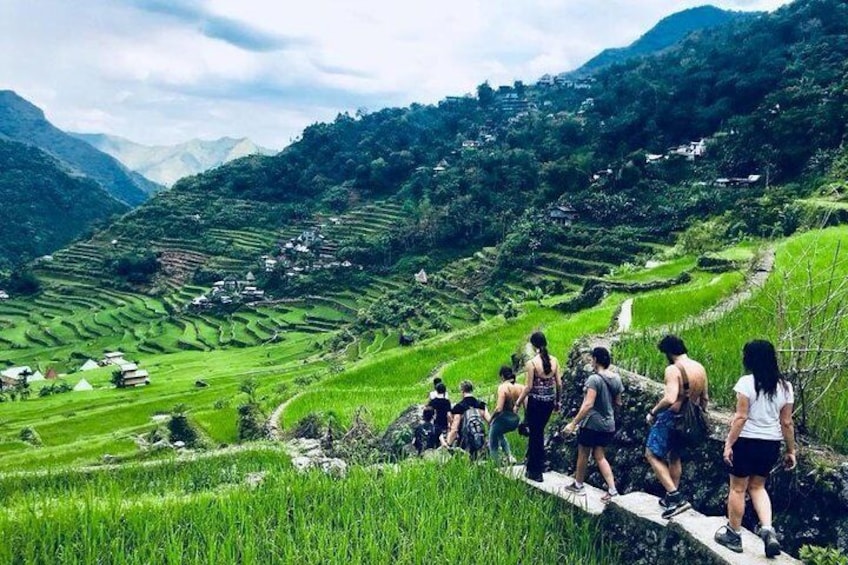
(685, 393)
(468, 422)
(442, 406)
(542, 393)
(596, 422)
(504, 417)
(763, 418)
(425, 436)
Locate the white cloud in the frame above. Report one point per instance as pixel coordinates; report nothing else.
(162, 71)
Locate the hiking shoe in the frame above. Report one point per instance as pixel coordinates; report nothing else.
(728, 538)
(663, 502)
(676, 507)
(574, 489)
(772, 546)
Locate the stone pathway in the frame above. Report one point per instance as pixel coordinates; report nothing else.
(274, 429)
(691, 525)
(625, 317)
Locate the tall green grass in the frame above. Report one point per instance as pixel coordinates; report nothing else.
(718, 345)
(423, 512)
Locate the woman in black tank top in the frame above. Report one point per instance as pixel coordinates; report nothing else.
(542, 394)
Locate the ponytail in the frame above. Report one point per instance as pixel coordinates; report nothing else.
(546, 360)
(539, 341)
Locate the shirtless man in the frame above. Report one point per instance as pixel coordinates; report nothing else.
(660, 451)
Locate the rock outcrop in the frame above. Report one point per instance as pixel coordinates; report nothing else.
(810, 503)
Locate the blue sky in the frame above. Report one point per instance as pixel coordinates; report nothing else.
(164, 71)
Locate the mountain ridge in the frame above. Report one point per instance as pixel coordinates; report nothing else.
(667, 32)
(23, 122)
(166, 164)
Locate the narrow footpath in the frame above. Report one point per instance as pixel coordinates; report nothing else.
(692, 531)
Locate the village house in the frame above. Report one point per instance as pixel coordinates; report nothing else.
(89, 365)
(546, 80)
(4, 295)
(441, 167)
(750, 180)
(563, 214)
(132, 376)
(691, 150)
(114, 358)
(421, 277)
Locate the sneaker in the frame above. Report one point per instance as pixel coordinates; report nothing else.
(574, 489)
(676, 507)
(663, 502)
(772, 546)
(728, 538)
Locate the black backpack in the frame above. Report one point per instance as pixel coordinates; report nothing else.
(425, 437)
(472, 433)
(691, 425)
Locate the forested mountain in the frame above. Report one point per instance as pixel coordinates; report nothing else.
(667, 32)
(43, 206)
(25, 123)
(166, 164)
(767, 93)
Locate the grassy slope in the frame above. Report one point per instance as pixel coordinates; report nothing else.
(719, 344)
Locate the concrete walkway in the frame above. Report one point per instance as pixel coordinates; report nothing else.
(691, 525)
(625, 317)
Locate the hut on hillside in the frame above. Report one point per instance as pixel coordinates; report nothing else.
(132, 376)
(421, 277)
(83, 385)
(89, 365)
(114, 358)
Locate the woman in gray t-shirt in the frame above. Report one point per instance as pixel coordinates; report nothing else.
(596, 422)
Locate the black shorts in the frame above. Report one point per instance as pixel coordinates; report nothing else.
(754, 457)
(594, 438)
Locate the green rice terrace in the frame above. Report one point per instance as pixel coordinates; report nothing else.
(315, 356)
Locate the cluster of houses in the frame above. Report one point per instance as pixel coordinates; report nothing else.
(230, 290)
(131, 375)
(297, 256)
(565, 80)
(13, 376)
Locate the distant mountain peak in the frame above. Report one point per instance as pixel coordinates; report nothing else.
(166, 164)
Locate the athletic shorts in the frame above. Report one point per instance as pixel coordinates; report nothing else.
(660, 439)
(594, 438)
(754, 457)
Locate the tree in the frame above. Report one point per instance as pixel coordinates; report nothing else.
(485, 95)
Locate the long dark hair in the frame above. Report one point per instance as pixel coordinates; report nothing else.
(760, 358)
(538, 341)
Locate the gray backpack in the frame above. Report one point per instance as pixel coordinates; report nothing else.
(472, 433)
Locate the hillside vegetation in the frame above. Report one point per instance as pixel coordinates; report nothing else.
(44, 206)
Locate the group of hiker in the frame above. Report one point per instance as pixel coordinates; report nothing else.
(678, 423)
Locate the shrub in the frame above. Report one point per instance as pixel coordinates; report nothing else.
(30, 436)
(251, 422)
(814, 555)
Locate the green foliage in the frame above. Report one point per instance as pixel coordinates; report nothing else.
(58, 387)
(251, 422)
(135, 268)
(30, 436)
(814, 555)
(181, 429)
(21, 282)
(44, 207)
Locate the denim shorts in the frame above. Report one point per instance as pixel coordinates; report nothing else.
(660, 441)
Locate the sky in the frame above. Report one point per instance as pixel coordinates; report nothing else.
(165, 71)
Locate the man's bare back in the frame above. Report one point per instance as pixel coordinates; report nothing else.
(698, 385)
